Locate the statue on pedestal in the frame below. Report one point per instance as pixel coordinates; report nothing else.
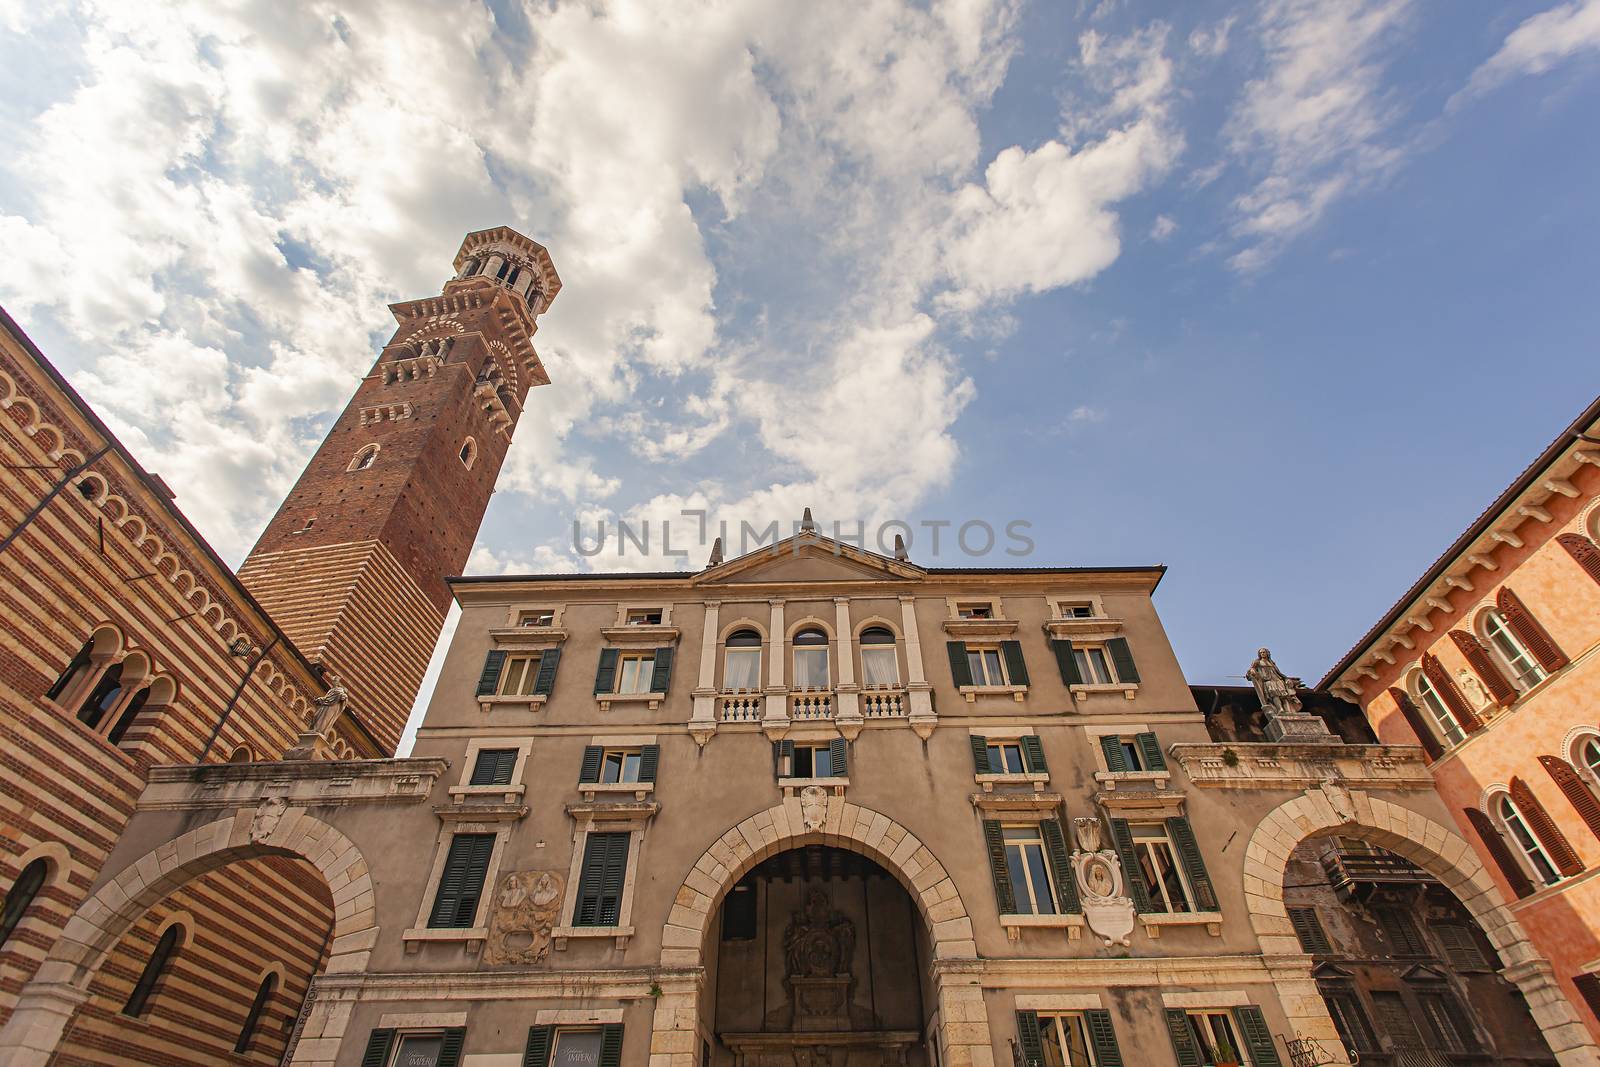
(1279, 693)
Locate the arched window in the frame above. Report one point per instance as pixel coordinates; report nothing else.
(880, 664)
(470, 267)
(240, 755)
(247, 1033)
(1588, 752)
(20, 895)
(469, 452)
(1434, 705)
(1517, 827)
(129, 714)
(105, 694)
(154, 968)
(1525, 670)
(511, 279)
(741, 663)
(505, 268)
(365, 457)
(80, 663)
(811, 659)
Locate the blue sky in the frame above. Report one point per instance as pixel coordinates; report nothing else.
(1277, 293)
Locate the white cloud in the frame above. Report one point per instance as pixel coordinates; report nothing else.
(1085, 413)
(1211, 41)
(1317, 120)
(1539, 44)
(1162, 228)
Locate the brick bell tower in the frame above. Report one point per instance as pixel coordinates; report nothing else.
(352, 567)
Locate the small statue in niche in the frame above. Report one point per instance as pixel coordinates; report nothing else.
(819, 941)
(525, 911)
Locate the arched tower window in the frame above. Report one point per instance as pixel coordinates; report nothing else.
(470, 267)
(1449, 729)
(811, 659)
(1588, 752)
(20, 896)
(79, 665)
(880, 664)
(1532, 851)
(102, 698)
(741, 663)
(240, 755)
(252, 1021)
(155, 967)
(365, 457)
(1525, 670)
(469, 452)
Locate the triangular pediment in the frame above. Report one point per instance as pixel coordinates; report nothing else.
(810, 557)
(1423, 973)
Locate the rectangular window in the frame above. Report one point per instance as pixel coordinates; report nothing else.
(879, 666)
(1215, 1036)
(461, 884)
(600, 879)
(619, 765)
(538, 617)
(975, 610)
(1094, 667)
(811, 668)
(576, 1048)
(1402, 932)
(1460, 947)
(644, 617)
(1005, 757)
(743, 669)
(1029, 870)
(986, 665)
(1308, 928)
(1159, 869)
(811, 761)
(739, 913)
(519, 676)
(494, 766)
(1395, 1021)
(1064, 1041)
(634, 672)
(1446, 1021)
(1349, 1018)
(1075, 609)
(418, 1050)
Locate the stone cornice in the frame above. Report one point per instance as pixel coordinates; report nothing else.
(1270, 766)
(1060, 972)
(512, 983)
(227, 786)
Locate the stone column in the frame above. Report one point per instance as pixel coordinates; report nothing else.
(918, 689)
(703, 722)
(674, 1030)
(492, 264)
(846, 693)
(1303, 1006)
(963, 1019)
(776, 720)
(37, 1022)
(1566, 1035)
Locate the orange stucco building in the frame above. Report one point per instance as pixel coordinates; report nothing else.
(1489, 661)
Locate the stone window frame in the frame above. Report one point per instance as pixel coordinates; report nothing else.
(1096, 602)
(509, 793)
(364, 457)
(720, 663)
(1034, 807)
(1486, 621)
(1572, 749)
(185, 923)
(1490, 803)
(515, 611)
(859, 650)
(111, 647)
(468, 454)
(954, 604)
(633, 819)
(1146, 807)
(468, 821)
(830, 648)
(1215, 1001)
(639, 790)
(1413, 683)
(626, 607)
(998, 732)
(1104, 775)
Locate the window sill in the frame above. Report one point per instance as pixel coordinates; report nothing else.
(1038, 804)
(640, 790)
(492, 812)
(531, 702)
(653, 636)
(471, 937)
(560, 934)
(652, 699)
(508, 794)
(1094, 626)
(1110, 779)
(1016, 923)
(1081, 691)
(973, 692)
(980, 627)
(527, 636)
(836, 786)
(989, 781)
(1136, 803)
(1153, 921)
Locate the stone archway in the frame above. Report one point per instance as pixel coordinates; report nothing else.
(1430, 845)
(61, 983)
(963, 1020)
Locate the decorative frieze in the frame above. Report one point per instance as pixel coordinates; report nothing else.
(1291, 766)
(308, 783)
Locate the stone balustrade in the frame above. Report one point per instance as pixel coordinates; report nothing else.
(883, 703)
(811, 704)
(741, 705)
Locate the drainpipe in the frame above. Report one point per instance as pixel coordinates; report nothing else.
(238, 691)
(66, 479)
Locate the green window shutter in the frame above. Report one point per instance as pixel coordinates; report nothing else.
(1182, 834)
(1067, 662)
(839, 758)
(1122, 837)
(450, 1047)
(1111, 745)
(781, 751)
(649, 759)
(1029, 1038)
(661, 671)
(489, 680)
(1055, 846)
(960, 669)
(494, 766)
(589, 769)
(611, 1045)
(1150, 749)
(605, 864)
(1256, 1035)
(1183, 1043)
(605, 673)
(461, 884)
(1309, 930)
(1033, 755)
(545, 681)
(1016, 666)
(1103, 1036)
(537, 1051)
(379, 1045)
(995, 843)
(980, 755)
(1122, 660)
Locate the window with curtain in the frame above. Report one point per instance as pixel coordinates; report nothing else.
(1525, 670)
(880, 664)
(1517, 827)
(1429, 698)
(741, 662)
(811, 659)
